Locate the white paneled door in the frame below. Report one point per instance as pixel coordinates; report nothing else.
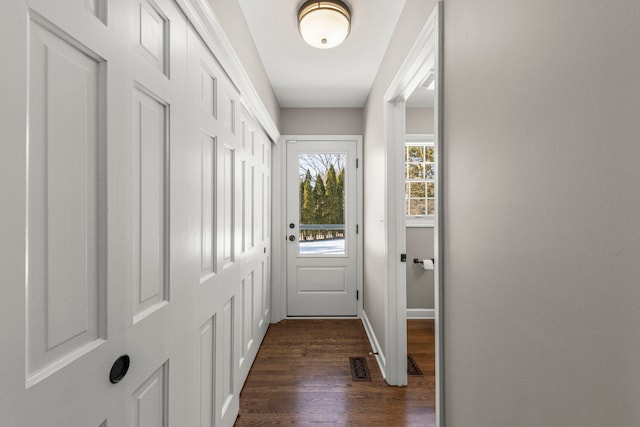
(135, 242)
(230, 302)
(322, 241)
(89, 211)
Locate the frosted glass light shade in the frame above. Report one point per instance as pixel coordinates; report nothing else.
(324, 24)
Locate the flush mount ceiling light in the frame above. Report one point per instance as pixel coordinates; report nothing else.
(324, 24)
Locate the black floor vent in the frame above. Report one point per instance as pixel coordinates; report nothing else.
(412, 366)
(359, 369)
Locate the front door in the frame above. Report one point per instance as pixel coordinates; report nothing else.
(321, 225)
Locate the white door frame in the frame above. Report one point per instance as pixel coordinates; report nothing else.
(278, 223)
(424, 58)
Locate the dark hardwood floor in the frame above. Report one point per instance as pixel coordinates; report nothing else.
(301, 377)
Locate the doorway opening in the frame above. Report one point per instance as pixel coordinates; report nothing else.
(414, 186)
(321, 246)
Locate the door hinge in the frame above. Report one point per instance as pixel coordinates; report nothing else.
(357, 229)
(357, 163)
(357, 295)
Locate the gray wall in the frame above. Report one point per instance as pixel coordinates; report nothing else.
(419, 281)
(419, 239)
(412, 19)
(419, 120)
(235, 26)
(321, 121)
(542, 234)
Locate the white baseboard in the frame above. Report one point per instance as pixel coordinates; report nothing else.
(375, 345)
(421, 313)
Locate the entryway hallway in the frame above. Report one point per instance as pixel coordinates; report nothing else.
(301, 377)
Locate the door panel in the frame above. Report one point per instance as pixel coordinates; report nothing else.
(227, 205)
(208, 185)
(321, 219)
(150, 401)
(150, 145)
(65, 301)
(228, 395)
(152, 34)
(321, 279)
(207, 373)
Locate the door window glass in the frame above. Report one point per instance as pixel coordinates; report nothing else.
(322, 203)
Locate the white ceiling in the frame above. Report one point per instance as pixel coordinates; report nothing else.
(303, 76)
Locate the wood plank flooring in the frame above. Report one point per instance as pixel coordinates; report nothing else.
(301, 377)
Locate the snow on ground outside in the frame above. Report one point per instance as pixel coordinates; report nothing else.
(322, 247)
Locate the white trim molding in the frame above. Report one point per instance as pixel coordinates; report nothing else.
(375, 345)
(419, 137)
(278, 232)
(201, 16)
(419, 223)
(421, 313)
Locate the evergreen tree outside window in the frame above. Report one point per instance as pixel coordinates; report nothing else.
(322, 203)
(340, 180)
(319, 193)
(332, 208)
(308, 200)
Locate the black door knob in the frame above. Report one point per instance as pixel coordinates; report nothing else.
(119, 369)
(292, 237)
(292, 225)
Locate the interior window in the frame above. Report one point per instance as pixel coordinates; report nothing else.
(420, 172)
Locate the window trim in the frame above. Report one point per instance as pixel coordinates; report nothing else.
(421, 220)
